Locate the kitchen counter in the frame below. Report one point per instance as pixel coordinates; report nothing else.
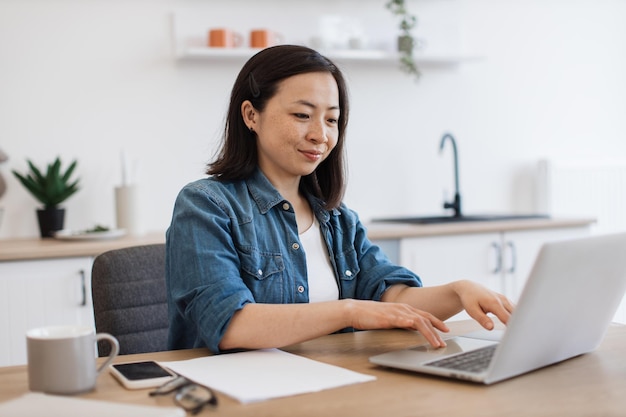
(35, 248)
(393, 231)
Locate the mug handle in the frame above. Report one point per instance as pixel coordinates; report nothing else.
(237, 39)
(115, 349)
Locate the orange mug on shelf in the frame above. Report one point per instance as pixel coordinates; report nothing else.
(263, 38)
(224, 38)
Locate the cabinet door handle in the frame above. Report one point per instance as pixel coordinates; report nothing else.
(498, 249)
(83, 288)
(513, 251)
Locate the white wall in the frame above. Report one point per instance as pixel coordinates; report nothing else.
(87, 78)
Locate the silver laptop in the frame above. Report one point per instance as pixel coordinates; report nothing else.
(569, 300)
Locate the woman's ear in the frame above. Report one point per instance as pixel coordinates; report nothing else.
(249, 114)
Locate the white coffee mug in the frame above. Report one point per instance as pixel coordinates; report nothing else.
(62, 359)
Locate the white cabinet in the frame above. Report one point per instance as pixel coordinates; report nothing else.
(499, 260)
(40, 293)
(519, 250)
(442, 259)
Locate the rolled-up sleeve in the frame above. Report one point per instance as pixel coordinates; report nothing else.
(202, 270)
(376, 272)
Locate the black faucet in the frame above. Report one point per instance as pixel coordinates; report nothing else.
(456, 204)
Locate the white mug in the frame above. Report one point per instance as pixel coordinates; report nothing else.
(62, 359)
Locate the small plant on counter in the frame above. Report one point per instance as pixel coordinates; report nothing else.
(50, 189)
(98, 229)
(406, 41)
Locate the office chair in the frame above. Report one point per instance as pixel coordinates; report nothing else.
(129, 298)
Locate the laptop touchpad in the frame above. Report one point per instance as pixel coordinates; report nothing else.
(454, 345)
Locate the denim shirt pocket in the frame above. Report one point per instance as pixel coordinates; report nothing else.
(263, 274)
(348, 269)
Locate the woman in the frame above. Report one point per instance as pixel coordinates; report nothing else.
(264, 254)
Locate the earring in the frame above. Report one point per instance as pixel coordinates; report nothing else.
(251, 129)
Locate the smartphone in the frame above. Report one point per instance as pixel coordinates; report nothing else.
(137, 375)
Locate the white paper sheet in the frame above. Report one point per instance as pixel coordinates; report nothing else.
(263, 374)
(37, 404)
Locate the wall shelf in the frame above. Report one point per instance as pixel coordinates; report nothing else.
(188, 35)
(197, 53)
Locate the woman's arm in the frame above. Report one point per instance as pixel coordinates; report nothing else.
(444, 301)
(259, 326)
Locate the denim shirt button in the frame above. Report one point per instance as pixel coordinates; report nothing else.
(295, 246)
(300, 289)
(348, 273)
(285, 206)
(260, 272)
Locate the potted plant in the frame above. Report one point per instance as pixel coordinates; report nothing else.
(51, 190)
(406, 41)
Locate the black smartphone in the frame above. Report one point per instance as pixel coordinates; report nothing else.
(136, 375)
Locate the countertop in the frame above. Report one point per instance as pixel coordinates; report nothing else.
(36, 248)
(403, 230)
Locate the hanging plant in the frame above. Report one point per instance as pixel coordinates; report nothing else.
(406, 41)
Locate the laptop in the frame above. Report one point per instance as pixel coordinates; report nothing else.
(567, 304)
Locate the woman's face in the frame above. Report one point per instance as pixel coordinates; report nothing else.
(298, 128)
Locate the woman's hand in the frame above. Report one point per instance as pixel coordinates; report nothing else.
(368, 315)
(444, 301)
(478, 301)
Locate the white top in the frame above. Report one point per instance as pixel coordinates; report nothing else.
(322, 282)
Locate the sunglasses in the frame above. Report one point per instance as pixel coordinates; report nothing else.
(190, 396)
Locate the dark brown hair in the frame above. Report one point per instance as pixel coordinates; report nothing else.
(258, 82)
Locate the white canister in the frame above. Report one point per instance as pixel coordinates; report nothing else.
(127, 209)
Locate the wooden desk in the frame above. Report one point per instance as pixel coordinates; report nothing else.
(592, 384)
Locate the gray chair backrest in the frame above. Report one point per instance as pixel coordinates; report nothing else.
(129, 298)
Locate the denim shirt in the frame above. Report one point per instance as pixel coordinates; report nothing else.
(233, 243)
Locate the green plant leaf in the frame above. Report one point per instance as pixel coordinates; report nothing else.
(53, 188)
(38, 177)
(68, 172)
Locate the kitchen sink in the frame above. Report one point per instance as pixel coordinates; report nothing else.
(455, 204)
(462, 218)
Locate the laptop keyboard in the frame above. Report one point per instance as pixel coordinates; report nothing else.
(473, 361)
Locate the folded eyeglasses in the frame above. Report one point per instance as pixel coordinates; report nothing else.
(189, 396)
